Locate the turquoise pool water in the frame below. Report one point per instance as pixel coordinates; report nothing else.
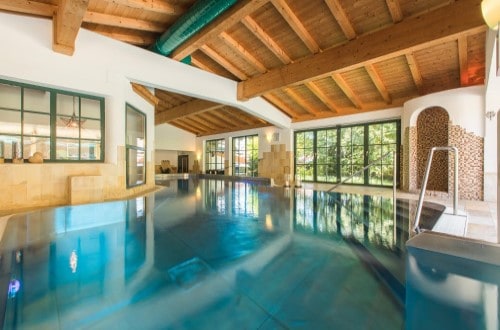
(209, 254)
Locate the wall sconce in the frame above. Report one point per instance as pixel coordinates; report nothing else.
(491, 13)
(490, 114)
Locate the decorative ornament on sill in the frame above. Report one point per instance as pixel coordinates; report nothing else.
(73, 121)
(2, 157)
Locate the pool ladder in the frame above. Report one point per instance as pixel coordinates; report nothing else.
(426, 177)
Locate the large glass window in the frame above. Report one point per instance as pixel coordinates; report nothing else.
(135, 146)
(382, 143)
(215, 156)
(245, 155)
(304, 155)
(335, 154)
(62, 126)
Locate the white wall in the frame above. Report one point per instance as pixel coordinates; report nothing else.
(27, 56)
(168, 137)
(365, 117)
(465, 106)
(265, 135)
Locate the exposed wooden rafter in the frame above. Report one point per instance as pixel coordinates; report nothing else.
(344, 86)
(296, 25)
(395, 10)
(300, 101)
(184, 110)
(272, 45)
(415, 73)
(322, 96)
(145, 93)
(157, 6)
(123, 22)
(435, 27)
(342, 19)
(232, 16)
(210, 52)
(463, 60)
(238, 48)
(67, 21)
(377, 81)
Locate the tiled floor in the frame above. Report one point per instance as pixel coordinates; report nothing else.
(482, 216)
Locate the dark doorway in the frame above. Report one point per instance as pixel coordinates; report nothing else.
(183, 164)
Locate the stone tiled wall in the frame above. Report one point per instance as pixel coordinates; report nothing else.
(471, 163)
(276, 164)
(432, 131)
(48, 184)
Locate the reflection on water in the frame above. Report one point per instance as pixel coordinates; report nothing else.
(101, 264)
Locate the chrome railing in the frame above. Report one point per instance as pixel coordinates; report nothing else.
(376, 162)
(424, 184)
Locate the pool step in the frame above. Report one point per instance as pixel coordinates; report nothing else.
(452, 224)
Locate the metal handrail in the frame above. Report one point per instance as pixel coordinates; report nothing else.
(367, 166)
(426, 177)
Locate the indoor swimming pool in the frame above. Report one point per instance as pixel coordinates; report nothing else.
(206, 254)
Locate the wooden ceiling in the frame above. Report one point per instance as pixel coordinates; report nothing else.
(310, 58)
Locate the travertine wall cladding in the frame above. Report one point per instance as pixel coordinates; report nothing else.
(276, 164)
(432, 131)
(48, 184)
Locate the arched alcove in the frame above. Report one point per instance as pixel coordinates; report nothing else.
(432, 131)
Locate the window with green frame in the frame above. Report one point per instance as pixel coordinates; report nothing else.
(335, 154)
(62, 126)
(135, 137)
(215, 156)
(245, 155)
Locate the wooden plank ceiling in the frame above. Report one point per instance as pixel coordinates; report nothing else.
(311, 59)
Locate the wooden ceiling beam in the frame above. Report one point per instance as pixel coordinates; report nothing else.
(145, 93)
(342, 19)
(66, 22)
(202, 122)
(238, 128)
(344, 86)
(377, 81)
(322, 96)
(185, 109)
(123, 22)
(266, 39)
(234, 117)
(395, 9)
(296, 25)
(281, 105)
(156, 6)
(185, 127)
(434, 28)
(200, 127)
(238, 48)
(128, 38)
(300, 100)
(220, 116)
(28, 7)
(463, 60)
(208, 118)
(415, 73)
(226, 20)
(223, 62)
(200, 65)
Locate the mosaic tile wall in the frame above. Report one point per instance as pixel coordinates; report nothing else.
(471, 163)
(432, 131)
